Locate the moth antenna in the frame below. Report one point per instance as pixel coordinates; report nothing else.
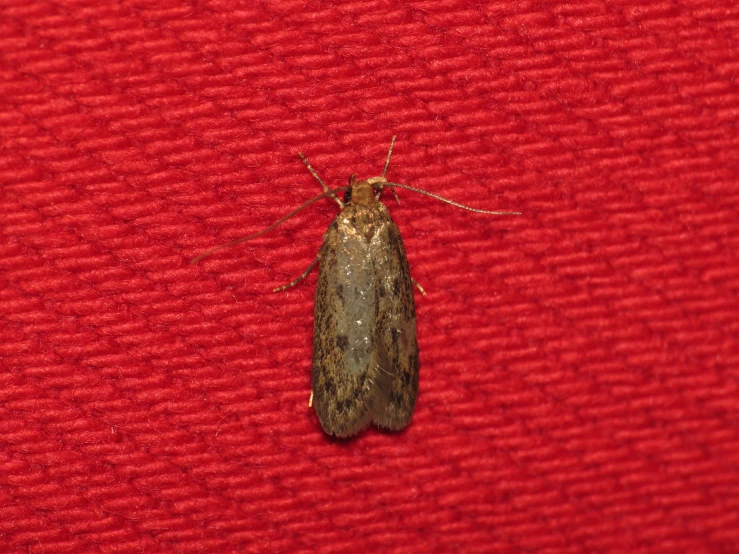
(383, 181)
(452, 202)
(315, 174)
(389, 153)
(329, 192)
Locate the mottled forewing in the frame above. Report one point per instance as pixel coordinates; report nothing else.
(395, 324)
(351, 381)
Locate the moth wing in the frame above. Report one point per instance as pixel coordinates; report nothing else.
(351, 382)
(395, 328)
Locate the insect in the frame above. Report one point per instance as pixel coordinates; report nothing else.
(365, 353)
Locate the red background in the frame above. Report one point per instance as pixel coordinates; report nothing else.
(579, 364)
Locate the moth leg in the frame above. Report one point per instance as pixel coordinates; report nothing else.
(313, 172)
(418, 286)
(379, 192)
(298, 279)
(310, 400)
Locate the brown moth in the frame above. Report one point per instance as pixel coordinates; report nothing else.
(365, 353)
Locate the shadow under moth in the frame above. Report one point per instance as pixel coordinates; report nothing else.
(365, 353)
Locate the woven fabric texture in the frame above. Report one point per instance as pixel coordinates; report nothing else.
(579, 363)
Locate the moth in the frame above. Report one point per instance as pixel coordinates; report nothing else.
(365, 352)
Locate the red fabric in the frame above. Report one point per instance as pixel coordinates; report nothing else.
(579, 363)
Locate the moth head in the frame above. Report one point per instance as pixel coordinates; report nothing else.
(362, 192)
